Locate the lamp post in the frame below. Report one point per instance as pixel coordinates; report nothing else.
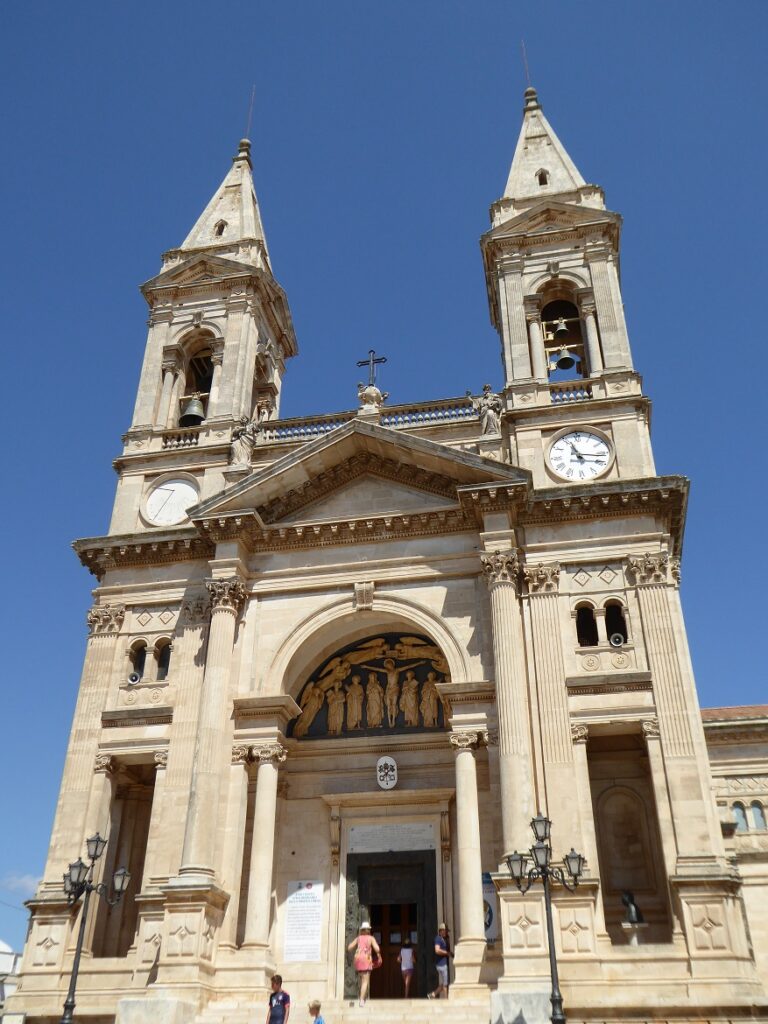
(78, 881)
(524, 877)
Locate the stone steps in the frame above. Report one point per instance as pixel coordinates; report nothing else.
(346, 1011)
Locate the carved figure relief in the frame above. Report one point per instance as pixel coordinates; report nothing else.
(400, 689)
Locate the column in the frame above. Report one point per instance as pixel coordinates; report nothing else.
(97, 819)
(234, 836)
(538, 351)
(470, 947)
(169, 374)
(502, 571)
(609, 312)
(156, 835)
(514, 338)
(655, 574)
(268, 756)
(146, 397)
(594, 356)
(586, 814)
(543, 583)
(217, 359)
(210, 760)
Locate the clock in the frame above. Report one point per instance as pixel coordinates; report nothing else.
(579, 455)
(167, 503)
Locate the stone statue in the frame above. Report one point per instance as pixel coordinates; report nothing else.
(409, 699)
(634, 914)
(371, 399)
(354, 704)
(241, 445)
(488, 407)
(311, 702)
(336, 671)
(336, 699)
(429, 701)
(374, 701)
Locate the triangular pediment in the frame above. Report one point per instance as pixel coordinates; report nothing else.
(197, 269)
(356, 471)
(551, 216)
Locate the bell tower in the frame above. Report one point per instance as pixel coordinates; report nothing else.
(552, 271)
(220, 334)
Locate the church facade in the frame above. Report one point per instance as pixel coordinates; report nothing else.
(336, 664)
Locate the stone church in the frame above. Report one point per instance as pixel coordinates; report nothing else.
(336, 664)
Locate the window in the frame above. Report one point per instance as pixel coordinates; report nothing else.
(758, 815)
(542, 177)
(740, 815)
(138, 658)
(220, 228)
(615, 621)
(563, 341)
(586, 627)
(163, 655)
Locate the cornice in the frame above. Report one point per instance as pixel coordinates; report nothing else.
(124, 718)
(100, 554)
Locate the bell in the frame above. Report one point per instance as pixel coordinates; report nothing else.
(561, 329)
(564, 360)
(193, 414)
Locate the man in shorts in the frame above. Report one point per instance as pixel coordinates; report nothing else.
(442, 952)
(279, 1003)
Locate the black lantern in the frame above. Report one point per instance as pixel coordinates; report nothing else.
(541, 826)
(517, 864)
(95, 846)
(574, 862)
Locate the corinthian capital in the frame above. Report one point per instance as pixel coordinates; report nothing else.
(542, 578)
(464, 739)
(501, 567)
(653, 568)
(266, 752)
(105, 618)
(226, 594)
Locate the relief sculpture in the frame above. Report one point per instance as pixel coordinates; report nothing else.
(399, 693)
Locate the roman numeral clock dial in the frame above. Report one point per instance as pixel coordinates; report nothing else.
(579, 455)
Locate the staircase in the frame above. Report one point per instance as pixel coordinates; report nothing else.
(346, 1011)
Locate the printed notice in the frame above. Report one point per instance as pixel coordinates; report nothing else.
(416, 835)
(303, 921)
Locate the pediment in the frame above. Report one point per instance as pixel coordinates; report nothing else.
(199, 268)
(553, 216)
(360, 470)
(365, 496)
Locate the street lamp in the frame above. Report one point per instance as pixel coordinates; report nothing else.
(78, 880)
(524, 877)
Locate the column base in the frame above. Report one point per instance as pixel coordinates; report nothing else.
(521, 1007)
(157, 1010)
(468, 961)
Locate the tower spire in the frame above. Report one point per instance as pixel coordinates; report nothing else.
(231, 224)
(541, 165)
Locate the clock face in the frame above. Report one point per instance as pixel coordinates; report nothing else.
(579, 455)
(167, 503)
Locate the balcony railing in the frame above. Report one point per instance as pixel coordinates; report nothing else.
(570, 391)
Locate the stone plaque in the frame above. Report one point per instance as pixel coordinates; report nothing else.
(374, 838)
(303, 921)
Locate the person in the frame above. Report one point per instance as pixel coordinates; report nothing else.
(279, 1003)
(314, 1012)
(442, 952)
(407, 960)
(365, 947)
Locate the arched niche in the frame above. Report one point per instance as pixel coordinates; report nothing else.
(384, 683)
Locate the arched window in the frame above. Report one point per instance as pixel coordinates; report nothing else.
(220, 228)
(542, 177)
(615, 621)
(740, 815)
(138, 658)
(163, 655)
(193, 405)
(586, 627)
(563, 340)
(758, 815)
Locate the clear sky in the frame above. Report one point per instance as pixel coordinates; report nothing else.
(382, 132)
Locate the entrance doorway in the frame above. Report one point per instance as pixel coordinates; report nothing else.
(392, 924)
(397, 893)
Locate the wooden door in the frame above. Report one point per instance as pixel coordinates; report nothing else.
(391, 923)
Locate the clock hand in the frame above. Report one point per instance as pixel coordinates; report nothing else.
(170, 495)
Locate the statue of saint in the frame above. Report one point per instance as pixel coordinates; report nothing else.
(374, 701)
(241, 445)
(488, 406)
(354, 704)
(409, 699)
(429, 701)
(311, 702)
(336, 698)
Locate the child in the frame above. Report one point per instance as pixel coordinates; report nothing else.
(279, 1003)
(407, 960)
(314, 1012)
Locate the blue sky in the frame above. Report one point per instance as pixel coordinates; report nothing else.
(382, 132)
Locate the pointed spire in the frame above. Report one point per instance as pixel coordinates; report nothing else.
(540, 165)
(231, 224)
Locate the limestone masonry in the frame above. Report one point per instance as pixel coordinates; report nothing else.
(336, 664)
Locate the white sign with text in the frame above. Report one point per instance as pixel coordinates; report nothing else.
(303, 921)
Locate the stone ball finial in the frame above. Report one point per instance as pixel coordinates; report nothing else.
(531, 98)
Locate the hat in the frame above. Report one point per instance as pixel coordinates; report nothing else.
(364, 925)
(442, 927)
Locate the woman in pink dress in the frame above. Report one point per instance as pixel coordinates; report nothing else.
(366, 949)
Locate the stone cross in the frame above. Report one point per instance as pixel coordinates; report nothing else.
(371, 362)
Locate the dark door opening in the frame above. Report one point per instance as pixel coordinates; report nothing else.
(391, 924)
